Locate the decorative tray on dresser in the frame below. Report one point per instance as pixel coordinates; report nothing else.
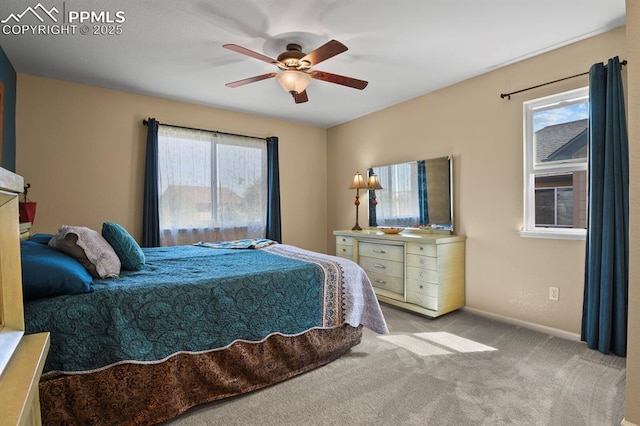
(419, 271)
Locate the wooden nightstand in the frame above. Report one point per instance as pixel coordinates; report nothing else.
(25, 231)
(22, 357)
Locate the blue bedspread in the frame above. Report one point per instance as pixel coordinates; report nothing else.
(186, 298)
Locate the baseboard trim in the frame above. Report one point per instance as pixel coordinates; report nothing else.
(626, 423)
(537, 327)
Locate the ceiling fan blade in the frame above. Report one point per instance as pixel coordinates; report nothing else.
(339, 79)
(251, 53)
(324, 52)
(251, 79)
(301, 97)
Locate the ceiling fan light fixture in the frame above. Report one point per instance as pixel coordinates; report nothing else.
(295, 68)
(293, 81)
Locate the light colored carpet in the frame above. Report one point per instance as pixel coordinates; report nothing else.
(459, 369)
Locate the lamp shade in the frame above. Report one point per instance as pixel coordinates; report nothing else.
(358, 182)
(293, 81)
(374, 182)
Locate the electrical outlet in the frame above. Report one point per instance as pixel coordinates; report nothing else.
(554, 293)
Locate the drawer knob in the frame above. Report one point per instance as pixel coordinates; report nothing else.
(379, 281)
(344, 250)
(378, 251)
(421, 248)
(421, 287)
(344, 240)
(377, 265)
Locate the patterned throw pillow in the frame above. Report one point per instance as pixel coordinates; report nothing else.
(125, 246)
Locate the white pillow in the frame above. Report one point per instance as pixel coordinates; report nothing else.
(94, 252)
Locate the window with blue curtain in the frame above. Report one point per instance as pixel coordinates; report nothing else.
(210, 186)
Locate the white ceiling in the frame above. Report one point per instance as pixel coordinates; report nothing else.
(403, 48)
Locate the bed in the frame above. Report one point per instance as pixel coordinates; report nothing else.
(192, 324)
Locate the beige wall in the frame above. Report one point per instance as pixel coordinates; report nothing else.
(632, 407)
(82, 150)
(506, 274)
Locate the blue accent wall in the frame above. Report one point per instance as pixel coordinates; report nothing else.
(8, 78)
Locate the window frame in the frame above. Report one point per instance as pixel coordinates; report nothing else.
(531, 169)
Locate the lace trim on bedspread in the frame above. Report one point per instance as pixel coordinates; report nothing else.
(268, 337)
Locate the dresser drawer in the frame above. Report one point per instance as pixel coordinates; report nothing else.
(424, 262)
(426, 289)
(344, 241)
(422, 275)
(385, 282)
(423, 249)
(344, 251)
(382, 266)
(381, 251)
(422, 300)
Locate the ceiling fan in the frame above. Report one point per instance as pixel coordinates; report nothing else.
(295, 68)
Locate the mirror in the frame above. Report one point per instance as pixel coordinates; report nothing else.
(415, 194)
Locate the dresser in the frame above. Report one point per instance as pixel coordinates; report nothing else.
(418, 271)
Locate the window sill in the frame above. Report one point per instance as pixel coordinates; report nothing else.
(557, 234)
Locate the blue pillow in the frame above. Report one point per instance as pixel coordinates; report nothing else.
(125, 246)
(41, 238)
(47, 272)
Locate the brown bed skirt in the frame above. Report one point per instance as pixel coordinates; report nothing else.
(147, 394)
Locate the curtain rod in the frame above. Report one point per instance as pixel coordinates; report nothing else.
(205, 130)
(508, 95)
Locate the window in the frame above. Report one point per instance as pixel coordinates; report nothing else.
(211, 186)
(556, 142)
